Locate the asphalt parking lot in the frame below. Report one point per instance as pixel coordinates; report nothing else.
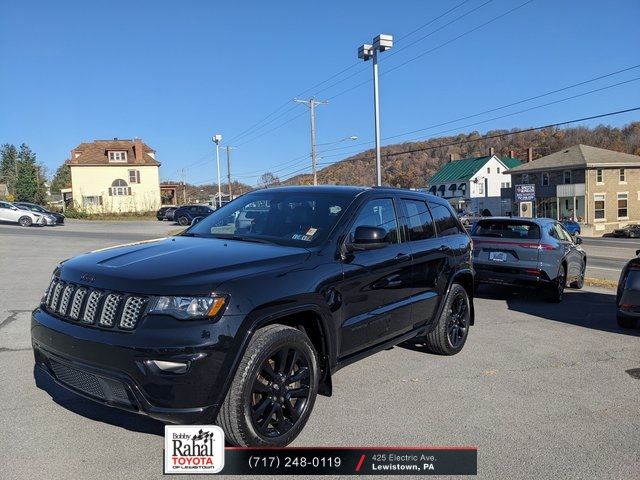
(541, 389)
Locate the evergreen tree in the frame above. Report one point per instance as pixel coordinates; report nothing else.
(61, 179)
(27, 182)
(8, 166)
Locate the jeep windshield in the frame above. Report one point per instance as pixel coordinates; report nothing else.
(289, 218)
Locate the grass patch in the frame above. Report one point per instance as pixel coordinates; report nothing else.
(601, 282)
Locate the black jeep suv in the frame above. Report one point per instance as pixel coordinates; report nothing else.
(242, 319)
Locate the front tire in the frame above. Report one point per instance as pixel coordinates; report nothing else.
(452, 329)
(25, 221)
(184, 221)
(273, 391)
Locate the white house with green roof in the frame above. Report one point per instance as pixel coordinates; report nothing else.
(473, 184)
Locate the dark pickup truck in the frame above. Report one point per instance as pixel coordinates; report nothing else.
(243, 323)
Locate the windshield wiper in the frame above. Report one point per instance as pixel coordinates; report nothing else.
(242, 238)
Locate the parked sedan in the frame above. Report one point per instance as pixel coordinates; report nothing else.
(12, 214)
(532, 252)
(630, 231)
(628, 295)
(572, 227)
(53, 218)
(166, 212)
(185, 214)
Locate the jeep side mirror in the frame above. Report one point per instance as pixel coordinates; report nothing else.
(578, 240)
(637, 252)
(368, 238)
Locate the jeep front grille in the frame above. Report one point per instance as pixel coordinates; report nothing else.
(94, 307)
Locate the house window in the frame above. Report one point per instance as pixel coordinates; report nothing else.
(117, 156)
(567, 177)
(488, 169)
(119, 188)
(92, 201)
(622, 176)
(599, 175)
(134, 176)
(622, 205)
(481, 188)
(599, 206)
(525, 178)
(545, 179)
(498, 169)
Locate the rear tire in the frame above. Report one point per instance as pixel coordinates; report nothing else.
(184, 221)
(626, 322)
(451, 332)
(273, 391)
(558, 285)
(25, 221)
(579, 283)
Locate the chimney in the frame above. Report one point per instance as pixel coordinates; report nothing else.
(492, 152)
(137, 149)
(529, 154)
(452, 157)
(511, 154)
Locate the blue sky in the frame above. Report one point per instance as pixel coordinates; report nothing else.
(174, 73)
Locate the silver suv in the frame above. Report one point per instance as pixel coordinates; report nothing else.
(533, 252)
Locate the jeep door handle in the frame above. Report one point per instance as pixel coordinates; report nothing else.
(401, 257)
(444, 248)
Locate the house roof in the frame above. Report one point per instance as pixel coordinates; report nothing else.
(461, 170)
(579, 156)
(96, 153)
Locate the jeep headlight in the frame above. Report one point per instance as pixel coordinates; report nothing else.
(189, 308)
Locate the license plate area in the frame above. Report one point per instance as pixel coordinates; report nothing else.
(498, 256)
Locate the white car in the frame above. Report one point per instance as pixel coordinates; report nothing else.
(48, 219)
(10, 213)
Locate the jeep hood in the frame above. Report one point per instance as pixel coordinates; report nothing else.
(177, 265)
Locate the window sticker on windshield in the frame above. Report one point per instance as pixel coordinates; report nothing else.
(304, 238)
(312, 231)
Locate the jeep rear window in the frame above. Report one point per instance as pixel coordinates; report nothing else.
(506, 229)
(290, 218)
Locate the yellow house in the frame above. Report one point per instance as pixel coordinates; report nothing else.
(114, 176)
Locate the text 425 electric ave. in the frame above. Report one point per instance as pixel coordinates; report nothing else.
(245, 317)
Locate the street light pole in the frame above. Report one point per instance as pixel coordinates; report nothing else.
(229, 169)
(366, 52)
(217, 138)
(312, 103)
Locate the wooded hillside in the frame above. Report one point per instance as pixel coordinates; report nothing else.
(404, 167)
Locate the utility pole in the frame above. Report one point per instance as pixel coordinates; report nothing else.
(229, 169)
(312, 104)
(217, 138)
(183, 176)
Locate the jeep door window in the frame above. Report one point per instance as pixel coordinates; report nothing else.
(380, 213)
(419, 220)
(287, 218)
(445, 221)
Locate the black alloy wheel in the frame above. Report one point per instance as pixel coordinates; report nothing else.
(280, 392)
(273, 390)
(450, 333)
(458, 321)
(184, 221)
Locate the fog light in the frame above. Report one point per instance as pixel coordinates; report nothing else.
(172, 367)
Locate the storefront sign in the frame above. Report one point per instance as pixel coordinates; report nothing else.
(525, 193)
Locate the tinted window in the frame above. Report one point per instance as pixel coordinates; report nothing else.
(445, 222)
(633, 281)
(506, 229)
(419, 220)
(284, 217)
(378, 213)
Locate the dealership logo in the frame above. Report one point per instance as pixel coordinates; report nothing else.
(193, 449)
